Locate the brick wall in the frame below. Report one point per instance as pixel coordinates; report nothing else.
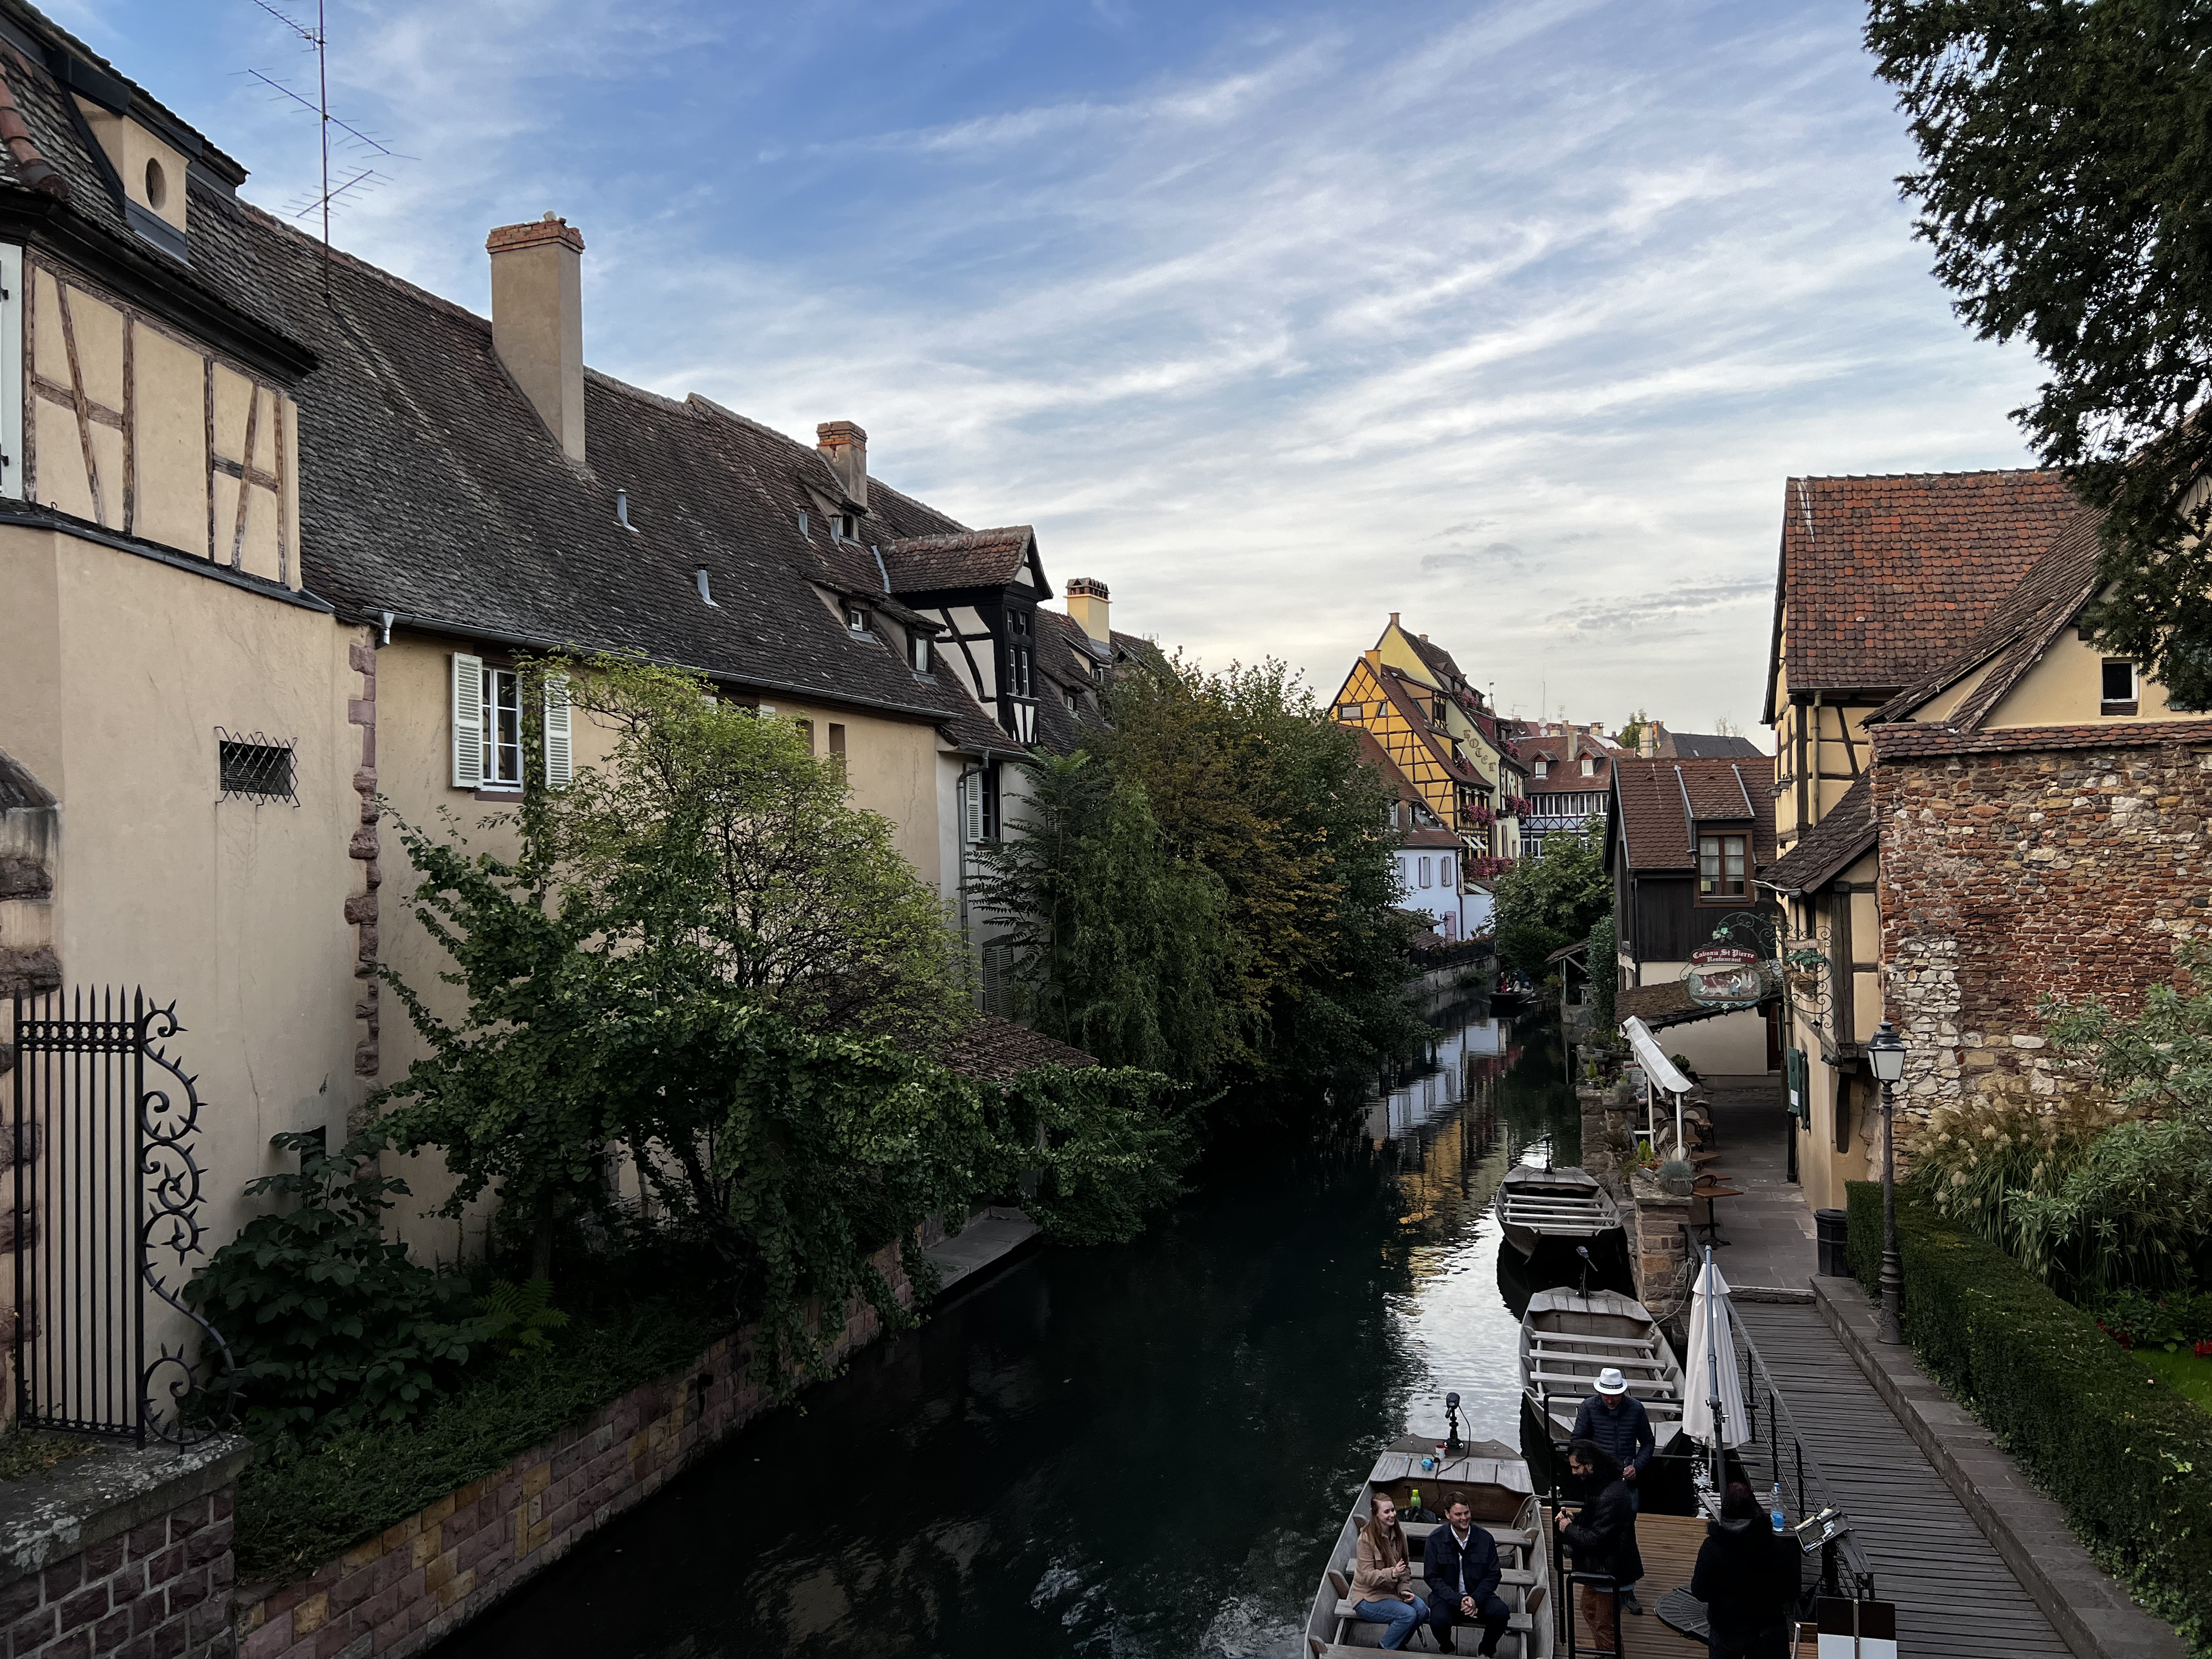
(2009, 876)
(123, 1553)
(396, 1594)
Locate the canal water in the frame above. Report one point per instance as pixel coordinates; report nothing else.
(1139, 1451)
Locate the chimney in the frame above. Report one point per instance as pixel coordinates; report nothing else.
(1647, 740)
(538, 320)
(1087, 604)
(845, 446)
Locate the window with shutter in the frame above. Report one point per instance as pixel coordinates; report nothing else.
(971, 800)
(560, 762)
(468, 720)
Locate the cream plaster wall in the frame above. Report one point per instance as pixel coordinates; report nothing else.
(115, 671)
(2065, 687)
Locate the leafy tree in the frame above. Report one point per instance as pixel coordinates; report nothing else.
(1551, 902)
(2065, 150)
(1602, 957)
(702, 960)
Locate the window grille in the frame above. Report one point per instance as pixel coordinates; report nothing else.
(255, 767)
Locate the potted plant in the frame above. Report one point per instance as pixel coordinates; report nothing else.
(1677, 1176)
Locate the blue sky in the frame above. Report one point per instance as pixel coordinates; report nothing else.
(1509, 317)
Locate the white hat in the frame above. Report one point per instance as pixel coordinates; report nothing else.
(1610, 1381)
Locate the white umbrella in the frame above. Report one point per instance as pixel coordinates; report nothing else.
(1711, 1367)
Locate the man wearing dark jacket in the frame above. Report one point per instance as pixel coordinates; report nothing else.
(1615, 1419)
(1460, 1562)
(1602, 1535)
(1747, 1577)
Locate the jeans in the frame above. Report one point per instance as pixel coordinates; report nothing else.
(1401, 1616)
(1493, 1615)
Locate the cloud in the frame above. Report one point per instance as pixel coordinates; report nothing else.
(1665, 610)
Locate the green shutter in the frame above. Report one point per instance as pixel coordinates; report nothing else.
(1793, 1069)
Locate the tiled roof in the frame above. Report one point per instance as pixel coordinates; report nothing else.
(1902, 742)
(1420, 838)
(1662, 801)
(1000, 1051)
(2043, 602)
(1705, 745)
(1831, 847)
(1665, 1004)
(1882, 579)
(968, 558)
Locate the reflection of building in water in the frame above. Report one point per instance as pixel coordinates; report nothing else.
(1461, 1067)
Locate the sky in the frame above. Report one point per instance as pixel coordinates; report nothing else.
(1512, 318)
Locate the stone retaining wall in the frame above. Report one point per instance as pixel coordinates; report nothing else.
(398, 1593)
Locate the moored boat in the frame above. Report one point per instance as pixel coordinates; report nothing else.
(1494, 1479)
(1567, 1338)
(1533, 1204)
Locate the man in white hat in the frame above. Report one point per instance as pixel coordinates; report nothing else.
(1617, 1421)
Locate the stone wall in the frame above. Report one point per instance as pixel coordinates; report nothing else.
(2073, 868)
(420, 1579)
(121, 1553)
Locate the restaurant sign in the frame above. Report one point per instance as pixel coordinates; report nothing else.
(1725, 976)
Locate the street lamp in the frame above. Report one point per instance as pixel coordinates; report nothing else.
(1885, 1052)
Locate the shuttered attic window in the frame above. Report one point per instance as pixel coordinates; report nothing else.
(255, 767)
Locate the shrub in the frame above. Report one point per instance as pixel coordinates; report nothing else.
(2127, 1459)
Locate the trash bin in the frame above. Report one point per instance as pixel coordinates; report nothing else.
(1832, 1228)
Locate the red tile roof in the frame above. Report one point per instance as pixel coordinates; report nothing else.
(1000, 1050)
(1908, 741)
(1882, 579)
(1661, 802)
(1830, 846)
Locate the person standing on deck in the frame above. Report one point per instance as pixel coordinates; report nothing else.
(1460, 1562)
(1615, 1421)
(1383, 1576)
(1602, 1535)
(1747, 1576)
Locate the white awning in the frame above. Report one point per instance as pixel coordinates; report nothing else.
(1659, 1069)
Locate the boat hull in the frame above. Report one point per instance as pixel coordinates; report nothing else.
(1567, 1338)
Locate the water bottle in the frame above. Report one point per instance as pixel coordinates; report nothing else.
(1774, 1507)
(1413, 1509)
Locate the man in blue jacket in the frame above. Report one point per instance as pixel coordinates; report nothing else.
(1617, 1421)
(1460, 1562)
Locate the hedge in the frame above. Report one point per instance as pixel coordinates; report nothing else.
(2128, 1459)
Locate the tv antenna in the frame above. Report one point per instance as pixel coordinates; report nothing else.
(318, 39)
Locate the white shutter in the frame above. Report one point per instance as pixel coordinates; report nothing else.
(468, 721)
(972, 790)
(559, 767)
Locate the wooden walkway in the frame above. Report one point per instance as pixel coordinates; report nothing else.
(1955, 1597)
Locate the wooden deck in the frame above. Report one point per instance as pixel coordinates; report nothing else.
(1955, 1597)
(1669, 1547)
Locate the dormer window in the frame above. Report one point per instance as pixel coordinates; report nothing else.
(845, 527)
(1589, 767)
(1721, 872)
(1075, 700)
(856, 618)
(922, 657)
(1543, 768)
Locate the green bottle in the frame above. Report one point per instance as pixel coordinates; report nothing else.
(1414, 1508)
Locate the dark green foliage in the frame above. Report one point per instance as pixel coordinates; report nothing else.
(518, 1318)
(1549, 902)
(298, 1508)
(2128, 1459)
(26, 1452)
(1209, 892)
(1605, 977)
(2136, 1319)
(330, 1323)
(2065, 151)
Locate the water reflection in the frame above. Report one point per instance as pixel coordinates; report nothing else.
(1134, 1452)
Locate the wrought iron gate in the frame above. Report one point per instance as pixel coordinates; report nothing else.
(105, 1188)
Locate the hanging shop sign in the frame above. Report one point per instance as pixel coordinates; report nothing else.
(1725, 976)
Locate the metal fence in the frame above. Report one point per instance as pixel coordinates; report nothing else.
(106, 1193)
(1777, 1451)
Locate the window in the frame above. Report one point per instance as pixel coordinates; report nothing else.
(2119, 686)
(1425, 873)
(856, 619)
(979, 803)
(1543, 768)
(1721, 866)
(1446, 877)
(921, 653)
(1075, 700)
(1349, 711)
(256, 768)
(1436, 710)
(1589, 767)
(837, 746)
(844, 527)
(488, 726)
(806, 731)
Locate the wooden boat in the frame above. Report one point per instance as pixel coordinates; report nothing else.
(1567, 1338)
(1533, 1204)
(1494, 1479)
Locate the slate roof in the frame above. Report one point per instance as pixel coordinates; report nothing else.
(1709, 745)
(1884, 578)
(966, 558)
(1839, 841)
(1657, 800)
(998, 1050)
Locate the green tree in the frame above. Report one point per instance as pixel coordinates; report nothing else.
(2065, 150)
(700, 956)
(1546, 903)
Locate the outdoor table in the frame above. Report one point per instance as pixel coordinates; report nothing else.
(1709, 1190)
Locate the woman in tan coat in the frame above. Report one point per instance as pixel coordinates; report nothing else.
(1383, 1576)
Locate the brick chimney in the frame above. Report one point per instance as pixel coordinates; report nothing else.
(538, 320)
(845, 446)
(1087, 603)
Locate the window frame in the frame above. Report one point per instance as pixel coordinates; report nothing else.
(488, 778)
(1725, 843)
(2130, 704)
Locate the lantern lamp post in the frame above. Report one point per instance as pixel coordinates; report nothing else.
(1885, 1052)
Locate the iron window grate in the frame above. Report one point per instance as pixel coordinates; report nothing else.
(256, 768)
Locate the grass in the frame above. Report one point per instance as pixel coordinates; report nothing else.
(2190, 1375)
(299, 1507)
(26, 1452)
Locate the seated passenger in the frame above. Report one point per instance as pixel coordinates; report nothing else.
(1383, 1576)
(1461, 1565)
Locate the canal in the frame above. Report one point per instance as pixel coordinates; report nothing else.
(1140, 1451)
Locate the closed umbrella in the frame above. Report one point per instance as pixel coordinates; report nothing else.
(1712, 1380)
